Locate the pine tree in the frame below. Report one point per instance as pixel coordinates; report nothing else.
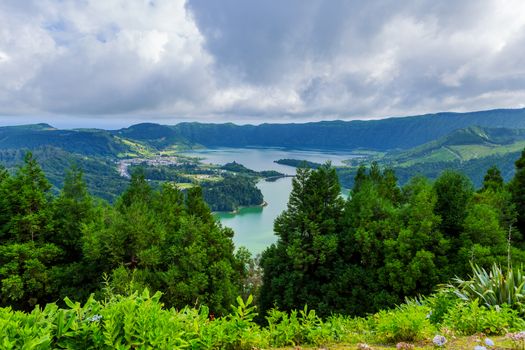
(72, 208)
(300, 268)
(27, 196)
(454, 192)
(493, 179)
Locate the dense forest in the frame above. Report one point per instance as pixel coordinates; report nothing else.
(340, 257)
(65, 245)
(347, 256)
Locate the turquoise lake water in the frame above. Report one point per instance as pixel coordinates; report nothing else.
(253, 226)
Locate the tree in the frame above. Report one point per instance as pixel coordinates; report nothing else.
(416, 259)
(517, 188)
(25, 273)
(493, 179)
(26, 258)
(300, 267)
(138, 190)
(26, 202)
(164, 241)
(72, 208)
(454, 192)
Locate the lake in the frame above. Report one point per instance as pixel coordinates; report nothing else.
(253, 226)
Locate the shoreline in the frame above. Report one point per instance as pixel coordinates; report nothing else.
(236, 211)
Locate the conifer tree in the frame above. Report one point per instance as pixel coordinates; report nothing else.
(25, 256)
(72, 208)
(493, 179)
(517, 188)
(454, 192)
(27, 197)
(300, 267)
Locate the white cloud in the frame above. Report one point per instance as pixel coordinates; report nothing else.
(233, 58)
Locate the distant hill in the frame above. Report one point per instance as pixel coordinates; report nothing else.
(462, 145)
(471, 150)
(385, 134)
(469, 142)
(381, 135)
(154, 135)
(100, 173)
(87, 142)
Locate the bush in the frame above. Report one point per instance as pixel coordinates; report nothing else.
(294, 328)
(468, 318)
(493, 287)
(408, 322)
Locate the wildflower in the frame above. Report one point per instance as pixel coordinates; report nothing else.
(519, 336)
(489, 342)
(479, 347)
(429, 314)
(95, 318)
(439, 340)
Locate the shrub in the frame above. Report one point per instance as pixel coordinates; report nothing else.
(468, 318)
(294, 328)
(407, 322)
(493, 287)
(28, 331)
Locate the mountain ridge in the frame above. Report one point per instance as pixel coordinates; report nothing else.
(383, 135)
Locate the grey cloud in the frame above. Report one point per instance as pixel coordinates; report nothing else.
(259, 59)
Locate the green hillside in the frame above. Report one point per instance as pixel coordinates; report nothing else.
(100, 173)
(461, 145)
(91, 142)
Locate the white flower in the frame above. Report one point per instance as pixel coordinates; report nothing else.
(479, 347)
(489, 342)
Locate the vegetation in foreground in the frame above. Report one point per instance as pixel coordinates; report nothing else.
(340, 257)
(446, 319)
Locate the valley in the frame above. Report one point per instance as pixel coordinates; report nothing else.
(237, 180)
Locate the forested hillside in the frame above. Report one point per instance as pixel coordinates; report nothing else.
(385, 134)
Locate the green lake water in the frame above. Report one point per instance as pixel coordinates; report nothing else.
(253, 226)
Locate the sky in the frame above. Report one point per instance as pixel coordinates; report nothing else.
(112, 63)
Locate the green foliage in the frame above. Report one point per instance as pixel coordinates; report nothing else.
(164, 241)
(439, 303)
(408, 322)
(454, 191)
(27, 331)
(469, 318)
(25, 273)
(494, 287)
(231, 193)
(517, 188)
(295, 328)
(299, 268)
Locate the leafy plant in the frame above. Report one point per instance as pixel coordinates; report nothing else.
(469, 318)
(493, 287)
(407, 322)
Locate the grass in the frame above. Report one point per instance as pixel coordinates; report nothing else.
(184, 185)
(447, 153)
(136, 149)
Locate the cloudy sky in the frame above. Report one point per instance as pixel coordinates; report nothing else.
(117, 62)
